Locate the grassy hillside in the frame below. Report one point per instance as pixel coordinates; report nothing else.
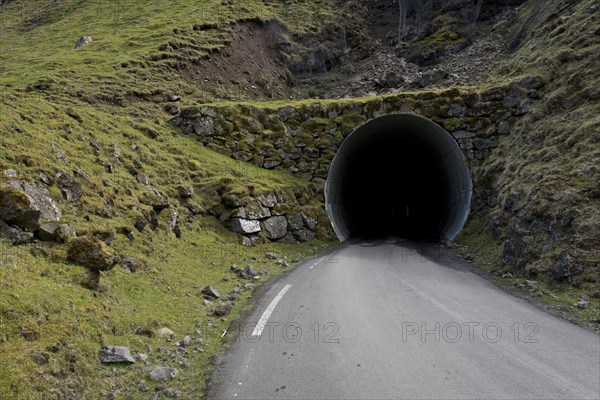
(97, 114)
(546, 224)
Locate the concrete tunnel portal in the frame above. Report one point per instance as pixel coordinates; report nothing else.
(398, 175)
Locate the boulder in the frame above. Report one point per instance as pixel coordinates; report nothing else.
(27, 205)
(565, 267)
(223, 310)
(240, 225)
(55, 232)
(267, 200)
(69, 187)
(204, 126)
(256, 211)
(295, 221)
(286, 113)
(14, 234)
(274, 227)
(248, 272)
(210, 291)
(304, 235)
(116, 354)
(130, 263)
(308, 221)
(162, 373)
(164, 332)
(92, 253)
(186, 341)
(83, 41)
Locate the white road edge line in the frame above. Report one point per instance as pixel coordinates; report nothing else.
(265, 317)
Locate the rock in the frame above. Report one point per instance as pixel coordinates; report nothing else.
(250, 286)
(142, 178)
(157, 201)
(207, 303)
(248, 272)
(45, 179)
(256, 211)
(274, 227)
(308, 221)
(162, 373)
(304, 235)
(14, 234)
(532, 82)
(26, 205)
(210, 291)
(223, 310)
(204, 126)
(582, 304)
(141, 356)
(164, 332)
(271, 255)
(130, 263)
(295, 221)
(240, 225)
(530, 285)
(92, 253)
(431, 77)
(170, 217)
(392, 79)
(9, 173)
(69, 187)
(142, 386)
(185, 192)
(286, 113)
(55, 232)
(564, 267)
(463, 135)
(95, 145)
(40, 358)
(268, 200)
(172, 394)
(186, 341)
(116, 354)
(83, 41)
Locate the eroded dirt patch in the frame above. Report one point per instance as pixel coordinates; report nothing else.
(250, 64)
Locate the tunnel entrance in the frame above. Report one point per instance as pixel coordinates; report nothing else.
(398, 175)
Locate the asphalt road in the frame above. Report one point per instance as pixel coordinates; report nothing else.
(377, 320)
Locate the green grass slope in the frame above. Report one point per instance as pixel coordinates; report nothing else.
(97, 114)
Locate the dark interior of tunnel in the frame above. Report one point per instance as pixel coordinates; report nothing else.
(394, 187)
(402, 177)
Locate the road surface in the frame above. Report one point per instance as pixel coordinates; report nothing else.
(379, 320)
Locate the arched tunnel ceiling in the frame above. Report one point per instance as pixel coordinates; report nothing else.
(400, 175)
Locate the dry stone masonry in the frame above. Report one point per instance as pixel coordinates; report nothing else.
(302, 138)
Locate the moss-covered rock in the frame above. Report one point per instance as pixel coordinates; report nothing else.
(92, 253)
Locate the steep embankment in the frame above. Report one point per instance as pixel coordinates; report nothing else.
(544, 176)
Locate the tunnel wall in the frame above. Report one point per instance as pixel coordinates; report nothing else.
(304, 137)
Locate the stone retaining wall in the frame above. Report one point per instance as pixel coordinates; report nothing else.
(303, 137)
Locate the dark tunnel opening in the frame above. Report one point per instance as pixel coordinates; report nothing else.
(398, 175)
